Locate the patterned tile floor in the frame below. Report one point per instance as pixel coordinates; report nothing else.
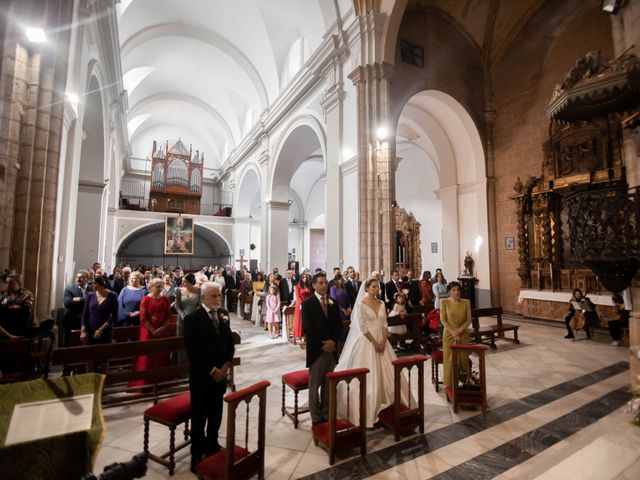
(556, 410)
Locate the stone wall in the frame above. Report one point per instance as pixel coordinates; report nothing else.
(523, 81)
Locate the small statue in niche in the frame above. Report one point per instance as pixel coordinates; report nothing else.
(468, 265)
(518, 187)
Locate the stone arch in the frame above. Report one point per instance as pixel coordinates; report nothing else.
(249, 178)
(440, 131)
(145, 245)
(302, 137)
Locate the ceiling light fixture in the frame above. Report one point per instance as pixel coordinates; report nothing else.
(611, 6)
(382, 133)
(35, 35)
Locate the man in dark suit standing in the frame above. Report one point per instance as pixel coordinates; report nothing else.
(322, 327)
(352, 284)
(392, 287)
(209, 345)
(286, 287)
(74, 298)
(231, 291)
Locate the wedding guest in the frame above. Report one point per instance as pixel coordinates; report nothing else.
(616, 326)
(16, 308)
(100, 313)
(258, 293)
(427, 298)
(303, 290)
(155, 313)
(74, 299)
(168, 287)
(245, 297)
(340, 295)
(116, 281)
(129, 301)
(440, 290)
(187, 301)
(272, 305)
(455, 315)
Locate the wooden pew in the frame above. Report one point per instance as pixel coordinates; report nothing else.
(412, 322)
(163, 381)
(488, 334)
(15, 360)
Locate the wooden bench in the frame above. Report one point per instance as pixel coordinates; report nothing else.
(163, 381)
(488, 334)
(412, 322)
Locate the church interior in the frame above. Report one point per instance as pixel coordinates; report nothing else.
(164, 146)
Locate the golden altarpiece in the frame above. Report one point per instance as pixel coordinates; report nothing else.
(408, 245)
(176, 179)
(577, 221)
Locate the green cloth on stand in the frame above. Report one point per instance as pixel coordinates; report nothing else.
(68, 456)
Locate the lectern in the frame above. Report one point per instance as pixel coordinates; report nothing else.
(51, 428)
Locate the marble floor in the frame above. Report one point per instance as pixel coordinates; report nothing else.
(556, 410)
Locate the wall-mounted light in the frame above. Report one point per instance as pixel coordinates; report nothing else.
(611, 6)
(382, 133)
(35, 35)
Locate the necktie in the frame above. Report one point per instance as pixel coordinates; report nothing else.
(323, 301)
(214, 319)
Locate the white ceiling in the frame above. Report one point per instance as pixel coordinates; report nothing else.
(195, 68)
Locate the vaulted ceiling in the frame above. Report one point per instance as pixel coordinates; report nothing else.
(206, 70)
(490, 24)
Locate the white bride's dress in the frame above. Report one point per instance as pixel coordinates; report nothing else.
(360, 352)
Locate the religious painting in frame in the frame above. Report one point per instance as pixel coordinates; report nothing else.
(434, 247)
(179, 235)
(509, 243)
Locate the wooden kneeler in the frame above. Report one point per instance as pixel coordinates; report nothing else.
(399, 417)
(341, 433)
(296, 381)
(235, 462)
(461, 396)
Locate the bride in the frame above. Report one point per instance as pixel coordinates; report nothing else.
(367, 346)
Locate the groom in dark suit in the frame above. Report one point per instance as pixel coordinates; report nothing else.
(322, 327)
(209, 345)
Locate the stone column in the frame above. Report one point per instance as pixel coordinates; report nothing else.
(332, 104)
(276, 231)
(625, 35)
(494, 268)
(451, 228)
(40, 104)
(376, 169)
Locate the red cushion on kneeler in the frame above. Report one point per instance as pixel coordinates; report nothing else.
(173, 410)
(298, 379)
(321, 430)
(386, 416)
(436, 355)
(213, 466)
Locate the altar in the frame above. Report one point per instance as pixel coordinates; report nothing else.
(549, 305)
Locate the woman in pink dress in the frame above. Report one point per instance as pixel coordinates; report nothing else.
(155, 314)
(273, 311)
(302, 291)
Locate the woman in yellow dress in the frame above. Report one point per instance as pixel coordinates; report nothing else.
(455, 314)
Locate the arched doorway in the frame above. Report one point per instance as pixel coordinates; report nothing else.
(441, 179)
(91, 181)
(295, 212)
(248, 211)
(145, 246)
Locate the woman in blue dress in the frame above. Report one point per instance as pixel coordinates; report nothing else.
(129, 301)
(100, 312)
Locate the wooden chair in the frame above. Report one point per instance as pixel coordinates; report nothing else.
(340, 433)
(15, 360)
(399, 417)
(296, 381)
(235, 462)
(171, 413)
(289, 313)
(459, 396)
(437, 358)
